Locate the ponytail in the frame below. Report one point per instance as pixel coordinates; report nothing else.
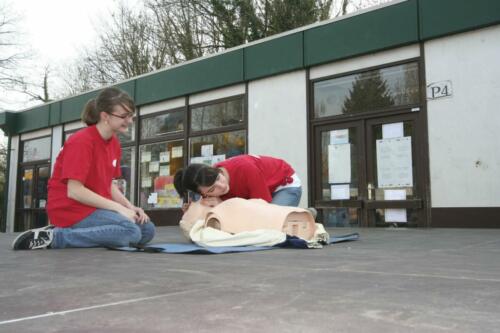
(107, 99)
(90, 116)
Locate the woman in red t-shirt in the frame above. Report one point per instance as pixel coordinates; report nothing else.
(85, 207)
(242, 176)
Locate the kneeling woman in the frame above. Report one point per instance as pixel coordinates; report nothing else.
(243, 176)
(84, 205)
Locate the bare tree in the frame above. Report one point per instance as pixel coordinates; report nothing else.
(165, 32)
(10, 49)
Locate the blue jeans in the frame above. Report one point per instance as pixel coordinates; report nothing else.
(288, 196)
(103, 228)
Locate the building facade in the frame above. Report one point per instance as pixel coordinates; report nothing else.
(388, 116)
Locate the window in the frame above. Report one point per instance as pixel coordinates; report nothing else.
(158, 163)
(37, 149)
(210, 149)
(127, 166)
(224, 125)
(166, 123)
(367, 91)
(217, 115)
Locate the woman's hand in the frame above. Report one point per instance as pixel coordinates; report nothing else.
(140, 216)
(128, 213)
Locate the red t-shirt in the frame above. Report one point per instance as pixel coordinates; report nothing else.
(255, 177)
(90, 159)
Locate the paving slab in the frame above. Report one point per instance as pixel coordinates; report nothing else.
(391, 280)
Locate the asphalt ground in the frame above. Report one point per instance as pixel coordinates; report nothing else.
(391, 280)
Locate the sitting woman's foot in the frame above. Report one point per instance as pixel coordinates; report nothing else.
(33, 239)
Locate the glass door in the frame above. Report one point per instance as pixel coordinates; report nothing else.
(394, 183)
(367, 172)
(31, 206)
(340, 173)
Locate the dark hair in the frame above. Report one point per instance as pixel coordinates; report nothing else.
(107, 99)
(194, 176)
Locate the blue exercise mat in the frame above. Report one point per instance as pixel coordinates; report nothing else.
(290, 242)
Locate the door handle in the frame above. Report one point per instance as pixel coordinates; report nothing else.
(369, 189)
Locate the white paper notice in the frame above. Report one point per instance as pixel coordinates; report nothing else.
(218, 158)
(207, 150)
(339, 136)
(339, 163)
(394, 194)
(145, 156)
(164, 157)
(165, 170)
(340, 192)
(146, 182)
(394, 162)
(154, 166)
(177, 152)
(395, 215)
(153, 198)
(394, 130)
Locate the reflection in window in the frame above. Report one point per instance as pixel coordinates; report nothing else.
(129, 135)
(163, 124)
(158, 163)
(217, 115)
(37, 149)
(341, 217)
(367, 91)
(210, 149)
(27, 188)
(127, 162)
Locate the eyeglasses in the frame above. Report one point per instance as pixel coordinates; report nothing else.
(125, 116)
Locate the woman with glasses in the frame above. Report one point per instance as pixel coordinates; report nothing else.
(85, 207)
(243, 176)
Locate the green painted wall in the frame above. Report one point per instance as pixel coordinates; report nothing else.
(209, 73)
(443, 17)
(55, 113)
(32, 119)
(276, 56)
(387, 27)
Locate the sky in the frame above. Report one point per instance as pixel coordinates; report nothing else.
(55, 32)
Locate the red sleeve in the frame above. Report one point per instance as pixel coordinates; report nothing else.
(77, 161)
(256, 184)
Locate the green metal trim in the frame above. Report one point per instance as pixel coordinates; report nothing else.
(444, 17)
(71, 108)
(200, 75)
(275, 56)
(54, 113)
(32, 119)
(376, 30)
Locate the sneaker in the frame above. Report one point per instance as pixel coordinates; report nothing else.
(33, 239)
(313, 212)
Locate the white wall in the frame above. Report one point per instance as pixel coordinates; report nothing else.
(277, 121)
(11, 198)
(57, 136)
(464, 141)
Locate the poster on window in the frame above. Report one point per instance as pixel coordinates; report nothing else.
(339, 163)
(394, 162)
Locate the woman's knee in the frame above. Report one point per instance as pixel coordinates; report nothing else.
(148, 232)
